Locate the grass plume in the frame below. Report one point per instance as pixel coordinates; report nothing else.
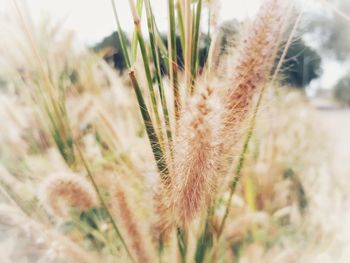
(255, 57)
(171, 174)
(132, 230)
(69, 189)
(195, 153)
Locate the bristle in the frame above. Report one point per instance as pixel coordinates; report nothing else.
(201, 132)
(133, 234)
(36, 239)
(162, 224)
(254, 62)
(67, 188)
(194, 156)
(214, 6)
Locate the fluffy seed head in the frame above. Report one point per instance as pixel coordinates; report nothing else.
(63, 189)
(255, 59)
(37, 241)
(162, 225)
(201, 136)
(194, 156)
(131, 229)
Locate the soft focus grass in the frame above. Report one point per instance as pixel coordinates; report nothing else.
(70, 111)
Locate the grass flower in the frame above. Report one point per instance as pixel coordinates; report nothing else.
(254, 61)
(195, 154)
(131, 227)
(61, 190)
(193, 109)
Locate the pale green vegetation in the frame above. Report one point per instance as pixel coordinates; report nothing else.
(216, 165)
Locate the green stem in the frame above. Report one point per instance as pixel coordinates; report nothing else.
(135, 38)
(195, 48)
(205, 241)
(103, 203)
(121, 36)
(253, 120)
(147, 70)
(155, 145)
(156, 59)
(181, 242)
(154, 141)
(239, 166)
(181, 25)
(172, 51)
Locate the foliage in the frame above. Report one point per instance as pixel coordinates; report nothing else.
(342, 91)
(111, 45)
(302, 63)
(179, 167)
(332, 29)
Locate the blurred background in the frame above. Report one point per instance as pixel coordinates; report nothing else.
(316, 71)
(321, 53)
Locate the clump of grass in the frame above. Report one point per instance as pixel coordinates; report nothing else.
(194, 121)
(197, 142)
(70, 189)
(37, 240)
(132, 231)
(255, 57)
(195, 156)
(51, 99)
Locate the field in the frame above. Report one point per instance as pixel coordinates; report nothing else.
(168, 160)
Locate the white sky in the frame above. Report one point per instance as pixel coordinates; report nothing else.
(92, 20)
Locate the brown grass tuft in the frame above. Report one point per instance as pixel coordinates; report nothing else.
(207, 130)
(254, 61)
(36, 242)
(194, 156)
(133, 234)
(162, 224)
(68, 189)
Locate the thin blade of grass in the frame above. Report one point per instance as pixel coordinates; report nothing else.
(181, 242)
(204, 242)
(249, 134)
(145, 59)
(154, 141)
(173, 67)
(139, 7)
(103, 203)
(156, 148)
(188, 46)
(156, 60)
(121, 36)
(180, 24)
(195, 48)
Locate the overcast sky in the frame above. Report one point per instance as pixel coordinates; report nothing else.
(92, 20)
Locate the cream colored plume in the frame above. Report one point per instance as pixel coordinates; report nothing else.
(63, 190)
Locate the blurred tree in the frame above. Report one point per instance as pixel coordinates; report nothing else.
(333, 29)
(180, 60)
(2, 83)
(342, 90)
(112, 49)
(203, 50)
(301, 66)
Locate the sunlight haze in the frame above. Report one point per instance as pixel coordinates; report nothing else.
(93, 19)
